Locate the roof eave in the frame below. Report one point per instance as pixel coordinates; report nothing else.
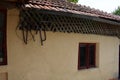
(94, 18)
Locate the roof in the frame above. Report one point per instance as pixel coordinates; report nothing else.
(67, 7)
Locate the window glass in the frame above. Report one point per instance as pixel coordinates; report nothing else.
(1, 38)
(83, 55)
(92, 55)
(3, 50)
(1, 55)
(1, 19)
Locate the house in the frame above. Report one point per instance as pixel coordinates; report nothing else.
(58, 40)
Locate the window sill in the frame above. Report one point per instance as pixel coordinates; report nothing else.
(86, 69)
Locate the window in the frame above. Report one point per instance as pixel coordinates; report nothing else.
(3, 51)
(86, 58)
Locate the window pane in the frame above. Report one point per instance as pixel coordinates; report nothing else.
(1, 20)
(1, 38)
(83, 48)
(92, 55)
(1, 55)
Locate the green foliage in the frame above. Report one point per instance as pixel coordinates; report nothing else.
(117, 11)
(75, 1)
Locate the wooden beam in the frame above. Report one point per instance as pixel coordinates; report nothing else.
(11, 3)
(14, 0)
(7, 4)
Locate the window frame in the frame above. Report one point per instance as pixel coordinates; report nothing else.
(3, 30)
(88, 65)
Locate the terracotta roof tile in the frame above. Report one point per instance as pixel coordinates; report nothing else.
(70, 7)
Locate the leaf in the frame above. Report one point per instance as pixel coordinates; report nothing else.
(117, 11)
(75, 1)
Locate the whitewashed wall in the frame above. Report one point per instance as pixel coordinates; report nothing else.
(58, 58)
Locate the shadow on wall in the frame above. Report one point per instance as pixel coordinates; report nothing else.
(4, 76)
(114, 79)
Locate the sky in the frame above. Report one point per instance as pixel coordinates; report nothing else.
(105, 5)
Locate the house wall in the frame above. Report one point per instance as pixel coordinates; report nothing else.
(57, 59)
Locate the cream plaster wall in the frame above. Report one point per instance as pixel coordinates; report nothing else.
(58, 58)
